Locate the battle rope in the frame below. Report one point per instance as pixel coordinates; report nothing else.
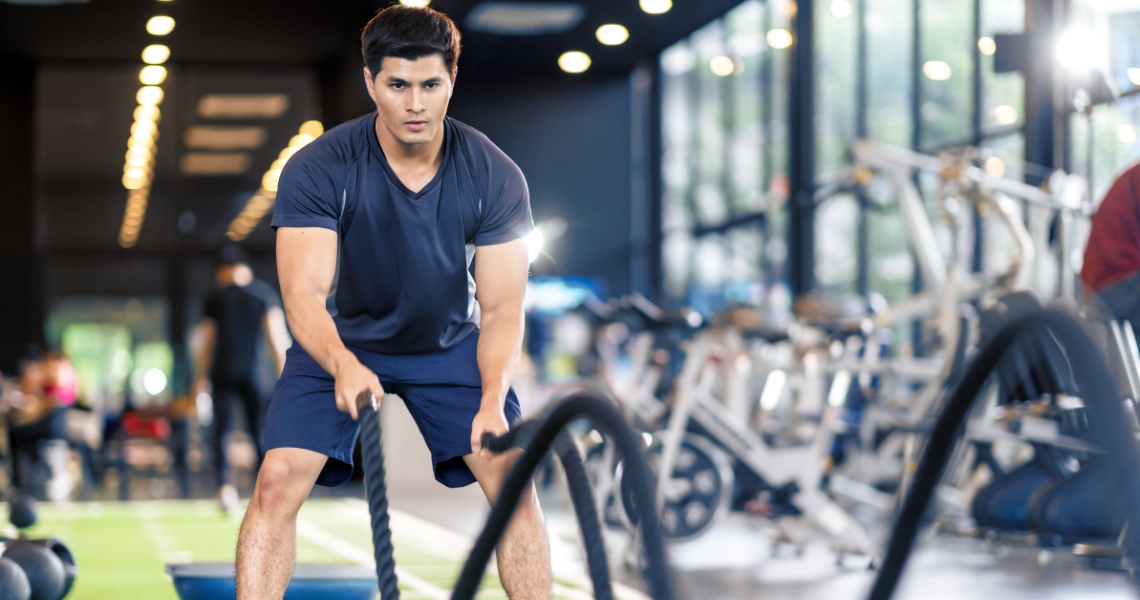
(582, 496)
(545, 432)
(373, 452)
(1106, 418)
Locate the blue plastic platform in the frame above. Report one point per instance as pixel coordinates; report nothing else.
(212, 581)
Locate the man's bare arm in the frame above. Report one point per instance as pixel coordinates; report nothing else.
(276, 336)
(500, 282)
(202, 347)
(306, 265)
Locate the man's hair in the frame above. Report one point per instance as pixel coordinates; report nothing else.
(409, 32)
(232, 255)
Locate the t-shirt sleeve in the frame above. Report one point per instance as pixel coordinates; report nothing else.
(307, 195)
(506, 215)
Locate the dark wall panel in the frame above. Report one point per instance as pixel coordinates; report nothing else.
(572, 141)
(19, 302)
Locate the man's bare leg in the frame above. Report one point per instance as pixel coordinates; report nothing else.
(267, 544)
(524, 552)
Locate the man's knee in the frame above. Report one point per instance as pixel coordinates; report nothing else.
(283, 483)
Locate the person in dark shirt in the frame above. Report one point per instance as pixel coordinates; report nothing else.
(386, 227)
(238, 314)
(1111, 270)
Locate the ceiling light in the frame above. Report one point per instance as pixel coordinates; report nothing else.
(416, 3)
(656, 7)
(155, 54)
(299, 140)
(936, 70)
(152, 75)
(1005, 115)
(147, 112)
(722, 66)
(270, 179)
(150, 95)
(779, 38)
(143, 129)
(612, 34)
(214, 163)
(242, 106)
(212, 137)
(312, 129)
(841, 8)
(574, 61)
(160, 25)
(987, 45)
(524, 18)
(1134, 76)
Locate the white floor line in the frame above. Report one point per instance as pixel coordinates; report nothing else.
(349, 551)
(445, 543)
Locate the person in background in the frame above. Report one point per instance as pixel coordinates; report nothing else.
(1111, 270)
(48, 386)
(239, 312)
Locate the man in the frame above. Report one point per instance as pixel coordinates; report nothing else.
(238, 312)
(378, 222)
(1111, 271)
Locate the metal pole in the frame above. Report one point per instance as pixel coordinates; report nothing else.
(801, 145)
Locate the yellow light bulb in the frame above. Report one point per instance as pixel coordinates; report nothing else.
(152, 75)
(160, 25)
(155, 54)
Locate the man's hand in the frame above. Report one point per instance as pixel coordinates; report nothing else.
(489, 419)
(351, 380)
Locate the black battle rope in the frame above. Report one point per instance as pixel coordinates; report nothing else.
(1103, 405)
(604, 416)
(373, 452)
(582, 496)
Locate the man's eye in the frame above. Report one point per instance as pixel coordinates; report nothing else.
(398, 86)
(431, 85)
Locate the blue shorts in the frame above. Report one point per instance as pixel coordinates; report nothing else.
(442, 390)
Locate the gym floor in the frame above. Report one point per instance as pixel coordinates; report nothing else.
(121, 548)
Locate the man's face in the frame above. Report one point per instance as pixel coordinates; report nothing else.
(411, 96)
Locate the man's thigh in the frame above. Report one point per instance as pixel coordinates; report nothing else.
(491, 471)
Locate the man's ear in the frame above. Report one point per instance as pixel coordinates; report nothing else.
(369, 80)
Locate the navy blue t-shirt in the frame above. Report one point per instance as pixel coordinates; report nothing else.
(404, 283)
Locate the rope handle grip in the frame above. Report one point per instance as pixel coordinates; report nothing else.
(366, 398)
(519, 436)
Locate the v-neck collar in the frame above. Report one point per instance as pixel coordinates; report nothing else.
(395, 179)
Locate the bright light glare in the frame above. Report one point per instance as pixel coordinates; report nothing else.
(722, 66)
(779, 38)
(147, 112)
(154, 382)
(574, 61)
(312, 129)
(534, 242)
(841, 8)
(1005, 115)
(155, 54)
(656, 7)
(840, 385)
(995, 167)
(612, 34)
(773, 389)
(936, 70)
(270, 179)
(987, 46)
(149, 95)
(1126, 133)
(152, 75)
(1077, 49)
(416, 3)
(1134, 76)
(160, 25)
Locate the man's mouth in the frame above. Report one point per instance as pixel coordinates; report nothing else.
(415, 125)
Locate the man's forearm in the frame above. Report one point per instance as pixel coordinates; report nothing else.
(500, 341)
(315, 330)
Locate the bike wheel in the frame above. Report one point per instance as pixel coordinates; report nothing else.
(698, 493)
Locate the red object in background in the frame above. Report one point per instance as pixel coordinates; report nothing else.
(1113, 251)
(136, 425)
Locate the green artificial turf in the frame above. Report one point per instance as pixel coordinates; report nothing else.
(122, 548)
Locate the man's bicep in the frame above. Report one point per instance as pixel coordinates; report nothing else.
(306, 260)
(500, 274)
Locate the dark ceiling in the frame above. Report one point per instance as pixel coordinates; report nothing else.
(89, 55)
(312, 32)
